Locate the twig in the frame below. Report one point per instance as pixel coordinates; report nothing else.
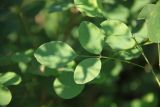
(146, 59)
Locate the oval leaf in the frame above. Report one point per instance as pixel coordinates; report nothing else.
(9, 78)
(91, 37)
(145, 12)
(91, 8)
(87, 70)
(54, 54)
(153, 24)
(118, 35)
(5, 96)
(65, 87)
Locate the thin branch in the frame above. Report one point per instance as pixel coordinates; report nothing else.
(87, 56)
(111, 58)
(128, 62)
(146, 59)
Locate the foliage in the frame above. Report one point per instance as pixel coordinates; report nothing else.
(93, 53)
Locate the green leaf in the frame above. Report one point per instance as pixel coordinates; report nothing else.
(5, 96)
(91, 8)
(119, 13)
(60, 6)
(153, 24)
(129, 54)
(142, 35)
(145, 12)
(37, 69)
(9, 78)
(91, 37)
(118, 35)
(52, 29)
(54, 54)
(87, 70)
(65, 87)
(138, 5)
(24, 57)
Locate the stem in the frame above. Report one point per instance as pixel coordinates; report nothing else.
(87, 56)
(146, 59)
(156, 78)
(24, 25)
(111, 58)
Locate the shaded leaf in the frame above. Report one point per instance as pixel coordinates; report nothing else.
(65, 87)
(60, 6)
(87, 70)
(118, 13)
(142, 35)
(130, 54)
(24, 57)
(37, 69)
(110, 73)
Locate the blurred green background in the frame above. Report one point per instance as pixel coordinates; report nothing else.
(26, 24)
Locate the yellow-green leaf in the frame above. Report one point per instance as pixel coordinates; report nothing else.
(54, 54)
(87, 70)
(5, 96)
(118, 35)
(91, 37)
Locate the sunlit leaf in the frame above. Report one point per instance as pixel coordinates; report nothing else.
(54, 54)
(145, 12)
(92, 8)
(118, 35)
(5, 96)
(138, 5)
(9, 78)
(91, 37)
(65, 87)
(153, 24)
(87, 70)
